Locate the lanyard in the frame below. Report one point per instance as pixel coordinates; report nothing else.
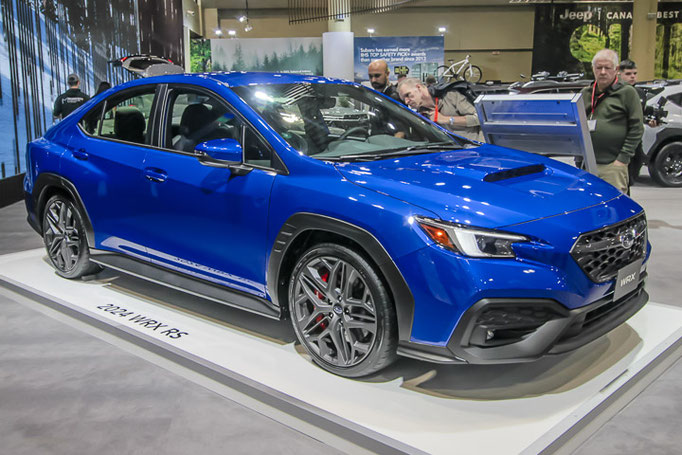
(435, 118)
(594, 103)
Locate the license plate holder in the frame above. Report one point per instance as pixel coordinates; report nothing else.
(627, 280)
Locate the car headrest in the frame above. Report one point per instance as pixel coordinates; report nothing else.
(194, 118)
(129, 124)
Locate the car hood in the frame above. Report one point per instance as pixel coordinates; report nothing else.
(486, 186)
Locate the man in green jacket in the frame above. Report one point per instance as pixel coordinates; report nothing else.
(615, 119)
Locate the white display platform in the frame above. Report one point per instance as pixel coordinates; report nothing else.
(412, 407)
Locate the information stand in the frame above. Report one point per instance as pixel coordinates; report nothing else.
(547, 124)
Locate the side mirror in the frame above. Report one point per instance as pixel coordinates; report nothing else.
(226, 153)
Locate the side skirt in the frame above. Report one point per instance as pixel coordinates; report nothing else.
(185, 284)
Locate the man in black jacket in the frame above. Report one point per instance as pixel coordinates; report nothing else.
(378, 76)
(70, 100)
(627, 71)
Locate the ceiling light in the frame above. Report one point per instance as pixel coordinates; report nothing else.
(218, 32)
(370, 30)
(442, 29)
(232, 32)
(248, 27)
(242, 18)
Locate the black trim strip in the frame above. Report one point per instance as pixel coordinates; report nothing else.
(300, 223)
(190, 285)
(39, 195)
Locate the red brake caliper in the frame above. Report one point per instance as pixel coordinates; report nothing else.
(319, 295)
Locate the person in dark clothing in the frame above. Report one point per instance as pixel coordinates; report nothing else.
(70, 100)
(103, 87)
(378, 76)
(627, 71)
(615, 119)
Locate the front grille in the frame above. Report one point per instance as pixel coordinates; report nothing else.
(600, 254)
(514, 316)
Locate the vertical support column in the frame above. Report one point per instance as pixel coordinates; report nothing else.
(644, 37)
(210, 22)
(186, 48)
(337, 43)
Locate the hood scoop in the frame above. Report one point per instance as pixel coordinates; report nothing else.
(512, 173)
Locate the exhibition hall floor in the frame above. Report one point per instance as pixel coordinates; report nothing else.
(79, 378)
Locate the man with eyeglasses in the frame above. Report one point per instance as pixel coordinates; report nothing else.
(378, 76)
(615, 120)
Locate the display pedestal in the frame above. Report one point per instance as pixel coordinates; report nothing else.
(412, 407)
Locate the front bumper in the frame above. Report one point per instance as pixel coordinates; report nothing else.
(499, 330)
(505, 331)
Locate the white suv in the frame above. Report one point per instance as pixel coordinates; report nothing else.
(662, 144)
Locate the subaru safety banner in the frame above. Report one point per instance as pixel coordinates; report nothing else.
(416, 56)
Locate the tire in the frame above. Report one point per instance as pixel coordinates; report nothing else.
(666, 167)
(442, 73)
(472, 74)
(341, 312)
(64, 238)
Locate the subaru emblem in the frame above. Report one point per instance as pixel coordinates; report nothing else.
(627, 239)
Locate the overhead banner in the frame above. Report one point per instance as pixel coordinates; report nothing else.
(418, 56)
(567, 36)
(669, 37)
(280, 55)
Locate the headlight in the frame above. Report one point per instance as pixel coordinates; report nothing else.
(472, 242)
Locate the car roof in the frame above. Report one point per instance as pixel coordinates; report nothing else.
(236, 79)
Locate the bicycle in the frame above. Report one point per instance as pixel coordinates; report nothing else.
(460, 70)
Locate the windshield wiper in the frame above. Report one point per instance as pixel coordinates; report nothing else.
(402, 151)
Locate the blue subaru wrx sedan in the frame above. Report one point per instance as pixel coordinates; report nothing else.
(375, 231)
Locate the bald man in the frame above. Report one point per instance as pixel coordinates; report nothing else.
(378, 76)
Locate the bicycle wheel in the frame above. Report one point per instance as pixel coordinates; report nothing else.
(443, 72)
(473, 74)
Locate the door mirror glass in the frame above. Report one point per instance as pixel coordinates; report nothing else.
(225, 151)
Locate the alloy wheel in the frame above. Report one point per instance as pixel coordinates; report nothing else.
(334, 311)
(671, 167)
(62, 235)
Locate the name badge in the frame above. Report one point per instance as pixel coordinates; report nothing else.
(592, 124)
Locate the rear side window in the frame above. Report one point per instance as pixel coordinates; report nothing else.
(124, 117)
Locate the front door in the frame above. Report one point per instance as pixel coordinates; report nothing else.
(201, 220)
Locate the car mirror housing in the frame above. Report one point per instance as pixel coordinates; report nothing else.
(222, 153)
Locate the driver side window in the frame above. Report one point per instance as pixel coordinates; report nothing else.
(196, 117)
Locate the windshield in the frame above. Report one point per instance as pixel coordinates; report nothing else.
(343, 122)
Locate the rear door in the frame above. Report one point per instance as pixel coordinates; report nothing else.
(105, 162)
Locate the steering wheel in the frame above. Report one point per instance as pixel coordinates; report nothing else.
(355, 129)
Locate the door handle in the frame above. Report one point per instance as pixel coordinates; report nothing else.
(80, 154)
(155, 175)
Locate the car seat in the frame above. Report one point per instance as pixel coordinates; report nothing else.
(129, 125)
(197, 125)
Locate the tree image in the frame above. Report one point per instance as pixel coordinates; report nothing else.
(615, 42)
(200, 52)
(586, 41)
